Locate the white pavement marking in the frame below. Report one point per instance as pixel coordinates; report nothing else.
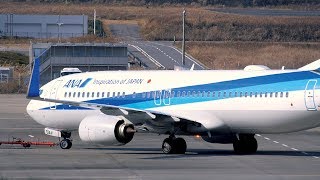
(316, 157)
(187, 55)
(284, 145)
(148, 56)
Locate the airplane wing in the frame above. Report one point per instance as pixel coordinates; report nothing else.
(146, 121)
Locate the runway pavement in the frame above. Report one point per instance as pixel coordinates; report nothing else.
(287, 156)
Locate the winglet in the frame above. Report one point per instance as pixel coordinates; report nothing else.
(33, 89)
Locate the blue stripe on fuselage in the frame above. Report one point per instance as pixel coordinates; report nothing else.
(270, 83)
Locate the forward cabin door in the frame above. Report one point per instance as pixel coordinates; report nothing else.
(54, 92)
(309, 95)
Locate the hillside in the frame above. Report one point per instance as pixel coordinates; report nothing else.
(228, 3)
(164, 22)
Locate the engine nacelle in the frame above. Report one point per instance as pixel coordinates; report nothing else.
(106, 130)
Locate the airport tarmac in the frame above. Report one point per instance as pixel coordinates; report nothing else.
(286, 156)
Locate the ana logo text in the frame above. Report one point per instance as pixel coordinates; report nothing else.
(77, 83)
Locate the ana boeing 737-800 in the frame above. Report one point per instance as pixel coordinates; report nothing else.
(221, 106)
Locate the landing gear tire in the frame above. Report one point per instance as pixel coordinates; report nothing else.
(174, 146)
(181, 146)
(246, 144)
(167, 146)
(65, 144)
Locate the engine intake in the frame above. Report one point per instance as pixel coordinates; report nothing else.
(106, 130)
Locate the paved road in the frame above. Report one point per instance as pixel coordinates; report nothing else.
(287, 156)
(160, 55)
(154, 54)
(267, 12)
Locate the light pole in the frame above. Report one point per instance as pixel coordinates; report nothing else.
(59, 24)
(183, 36)
(94, 21)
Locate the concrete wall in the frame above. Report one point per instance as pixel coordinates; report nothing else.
(43, 26)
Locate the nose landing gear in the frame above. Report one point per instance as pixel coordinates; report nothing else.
(66, 142)
(173, 145)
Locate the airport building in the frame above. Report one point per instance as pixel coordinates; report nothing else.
(43, 26)
(85, 56)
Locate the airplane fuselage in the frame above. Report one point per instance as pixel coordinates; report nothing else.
(267, 101)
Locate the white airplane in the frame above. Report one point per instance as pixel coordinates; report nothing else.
(221, 106)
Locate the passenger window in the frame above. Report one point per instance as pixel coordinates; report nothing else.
(183, 94)
(235, 94)
(281, 94)
(193, 93)
(102, 94)
(74, 94)
(178, 94)
(198, 93)
(148, 94)
(65, 94)
(189, 93)
(114, 94)
(92, 94)
(79, 94)
(230, 94)
(224, 94)
(172, 94)
(219, 93)
(213, 94)
(261, 94)
(251, 94)
(276, 94)
(69, 94)
(240, 94)
(88, 94)
(203, 93)
(134, 95)
(256, 94)
(144, 95)
(266, 94)
(271, 94)
(118, 96)
(108, 94)
(287, 94)
(83, 94)
(208, 94)
(123, 94)
(98, 94)
(245, 94)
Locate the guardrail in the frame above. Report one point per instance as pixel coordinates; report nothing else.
(138, 60)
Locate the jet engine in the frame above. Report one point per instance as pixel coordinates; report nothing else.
(106, 130)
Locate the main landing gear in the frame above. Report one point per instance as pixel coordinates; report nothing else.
(66, 142)
(173, 145)
(245, 144)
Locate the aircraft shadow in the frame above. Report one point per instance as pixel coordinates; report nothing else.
(204, 153)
